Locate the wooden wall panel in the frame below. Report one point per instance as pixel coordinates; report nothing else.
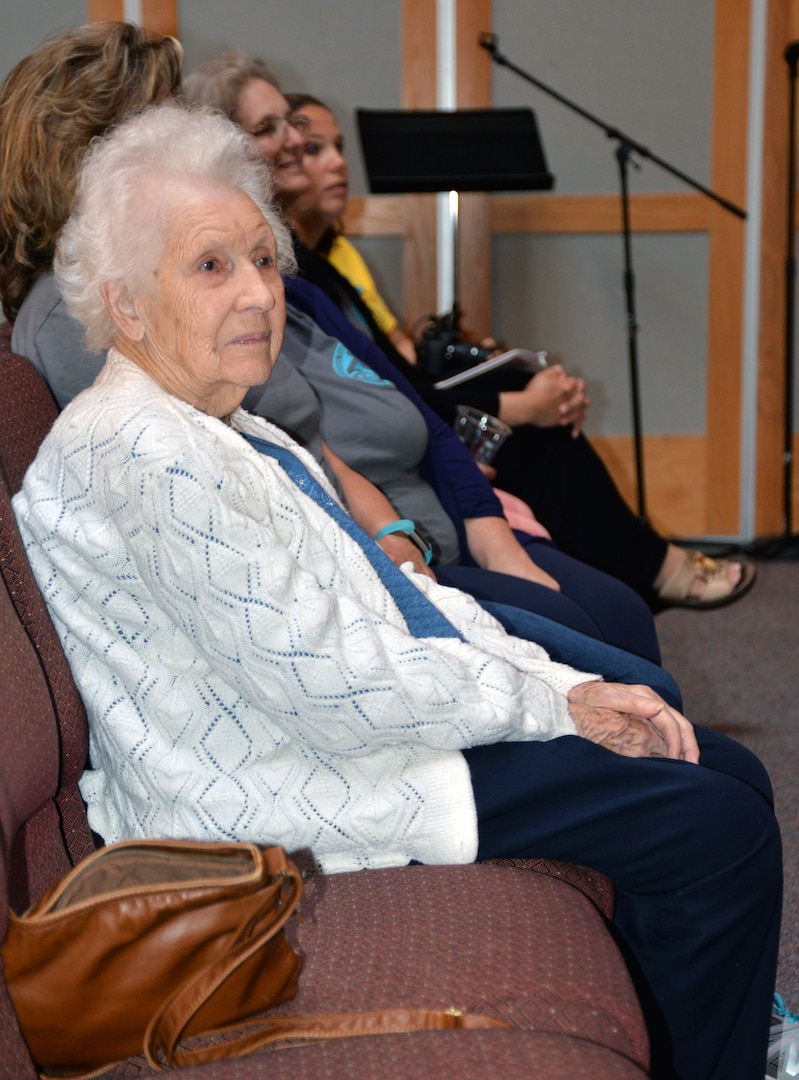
(385, 215)
(592, 214)
(774, 251)
(675, 478)
(375, 215)
(473, 90)
(160, 16)
(726, 270)
(106, 10)
(419, 39)
(473, 82)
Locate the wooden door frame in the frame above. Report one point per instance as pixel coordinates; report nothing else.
(160, 16)
(782, 28)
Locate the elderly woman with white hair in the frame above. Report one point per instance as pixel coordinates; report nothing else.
(254, 666)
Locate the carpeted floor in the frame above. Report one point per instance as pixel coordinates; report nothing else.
(738, 669)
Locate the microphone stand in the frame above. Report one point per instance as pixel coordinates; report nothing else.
(625, 148)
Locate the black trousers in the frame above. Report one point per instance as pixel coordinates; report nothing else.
(594, 603)
(570, 491)
(695, 854)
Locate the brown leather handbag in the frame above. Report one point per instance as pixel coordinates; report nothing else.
(148, 943)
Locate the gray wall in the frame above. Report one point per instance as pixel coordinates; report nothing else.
(23, 26)
(347, 52)
(645, 67)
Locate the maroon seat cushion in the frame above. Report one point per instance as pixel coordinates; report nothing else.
(484, 939)
(28, 411)
(596, 886)
(58, 835)
(30, 838)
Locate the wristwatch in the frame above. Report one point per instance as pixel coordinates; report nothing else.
(408, 528)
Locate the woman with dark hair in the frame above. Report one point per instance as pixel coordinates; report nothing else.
(547, 463)
(385, 433)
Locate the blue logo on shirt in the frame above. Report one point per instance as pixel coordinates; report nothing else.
(348, 367)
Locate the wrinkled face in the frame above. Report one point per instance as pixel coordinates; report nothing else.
(209, 319)
(324, 164)
(264, 113)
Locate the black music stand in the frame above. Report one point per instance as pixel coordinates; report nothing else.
(409, 151)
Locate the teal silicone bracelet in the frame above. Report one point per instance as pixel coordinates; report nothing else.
(404, 525)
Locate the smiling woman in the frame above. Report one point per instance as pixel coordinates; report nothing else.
(244, 89)
(326, 166)
(316, 214)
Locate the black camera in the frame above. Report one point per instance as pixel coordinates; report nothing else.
(441, 350)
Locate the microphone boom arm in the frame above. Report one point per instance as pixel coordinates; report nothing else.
(490, 43)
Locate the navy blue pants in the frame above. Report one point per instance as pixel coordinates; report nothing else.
(695, 855)
(585, 653)
(590, 601)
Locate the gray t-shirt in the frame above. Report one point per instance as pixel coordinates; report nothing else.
(370, 424)
(53, 341)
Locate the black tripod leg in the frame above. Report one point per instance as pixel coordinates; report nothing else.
(623, 156)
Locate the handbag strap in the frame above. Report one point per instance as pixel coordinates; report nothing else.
(167, 1026)
(162, 1039)
(296, 1030)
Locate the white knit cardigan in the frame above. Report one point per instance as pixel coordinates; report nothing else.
(245, 672)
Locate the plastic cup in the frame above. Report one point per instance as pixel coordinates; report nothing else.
(482, 433)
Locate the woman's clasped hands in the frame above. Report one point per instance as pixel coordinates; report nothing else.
(632, 721)
(551, 399)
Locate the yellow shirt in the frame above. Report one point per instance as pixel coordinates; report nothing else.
(349, 262)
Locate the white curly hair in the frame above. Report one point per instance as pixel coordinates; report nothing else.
(115, 235)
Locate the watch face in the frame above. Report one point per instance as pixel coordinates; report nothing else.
(423, 544)
(408, 528)
(430, 548)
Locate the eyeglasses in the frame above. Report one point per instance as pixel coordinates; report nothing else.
(273, 127)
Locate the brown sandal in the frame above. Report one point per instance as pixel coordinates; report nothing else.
(714, 573)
